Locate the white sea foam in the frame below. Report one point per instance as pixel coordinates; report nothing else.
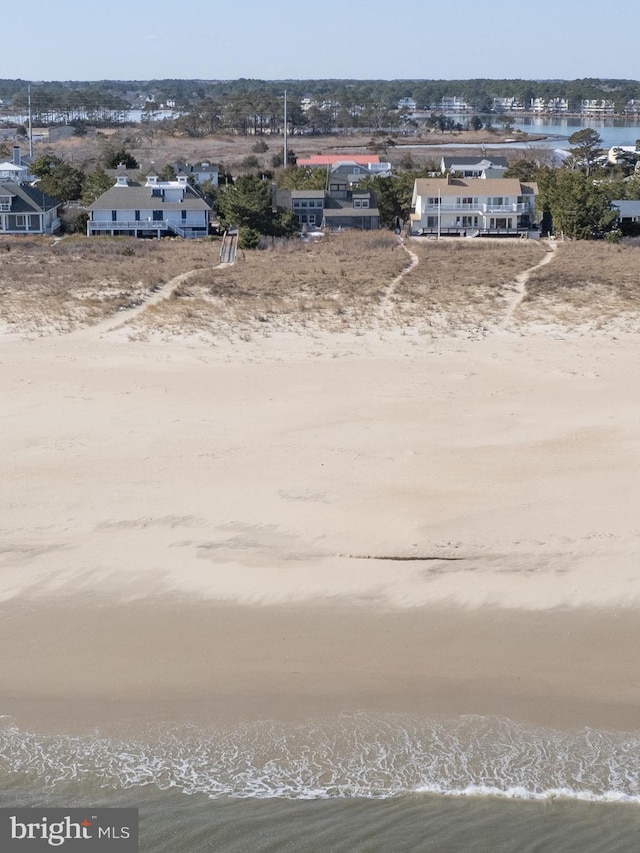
(359, 755)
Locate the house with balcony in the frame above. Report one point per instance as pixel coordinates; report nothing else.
(472, 207)
(597, 107)
(336, 208)
(24, 209)
(153, 209)
(507, 105)
(452, 104)
(549, 106)
(352, 208)
(16, 169)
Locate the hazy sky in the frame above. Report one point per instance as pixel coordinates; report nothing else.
(289, 39)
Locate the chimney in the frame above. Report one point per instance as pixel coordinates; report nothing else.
(17, 159)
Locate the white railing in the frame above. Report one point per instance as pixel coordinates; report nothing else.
(482, 207)
(126, 225)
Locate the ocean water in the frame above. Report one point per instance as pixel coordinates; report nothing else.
(357, 783)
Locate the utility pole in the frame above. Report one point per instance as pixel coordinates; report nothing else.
(30, 125)
(286, 153)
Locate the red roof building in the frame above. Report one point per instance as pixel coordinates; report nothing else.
(332, 159)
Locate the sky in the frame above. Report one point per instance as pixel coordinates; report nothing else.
(294, 39)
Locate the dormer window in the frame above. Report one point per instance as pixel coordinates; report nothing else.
(5, 202)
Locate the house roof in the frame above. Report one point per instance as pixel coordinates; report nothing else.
(479, 186)
(626, 207)
(330, 159)
(307, 193)
(138, 197)
(27, 199)
(481, 162)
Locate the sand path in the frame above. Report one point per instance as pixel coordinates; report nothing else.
(521, 285)
(385, 305)
(119, 321)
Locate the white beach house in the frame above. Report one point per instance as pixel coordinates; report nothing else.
(472, 206)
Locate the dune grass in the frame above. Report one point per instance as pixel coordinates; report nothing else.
(462, 286)
(334, 284)
(47, 286)
(344, 282)
(589, 285)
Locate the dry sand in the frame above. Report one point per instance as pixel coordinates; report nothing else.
(292, 527)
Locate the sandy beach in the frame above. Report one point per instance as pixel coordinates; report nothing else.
(294, 527)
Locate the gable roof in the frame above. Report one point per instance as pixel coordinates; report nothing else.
(27, 199)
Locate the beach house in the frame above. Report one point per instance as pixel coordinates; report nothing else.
(455, 207)
(153, 209)
(24, 209)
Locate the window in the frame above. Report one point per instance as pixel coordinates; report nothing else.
(184, 215)
(312, 219)
(303, 218)
(114, 215)
(357, 202)
(303, 203)
(157, 216)
(5, 202)
(497, 201)
(433, 200)
(296, 202)
(21, 220)
(365, 202)
(136, 215)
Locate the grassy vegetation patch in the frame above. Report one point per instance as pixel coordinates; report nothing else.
(588, 285)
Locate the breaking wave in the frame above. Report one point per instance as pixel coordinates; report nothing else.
(357, 755)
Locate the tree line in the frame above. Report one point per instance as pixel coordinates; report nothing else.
(248, 105)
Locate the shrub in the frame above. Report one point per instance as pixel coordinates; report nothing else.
(249, 238)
